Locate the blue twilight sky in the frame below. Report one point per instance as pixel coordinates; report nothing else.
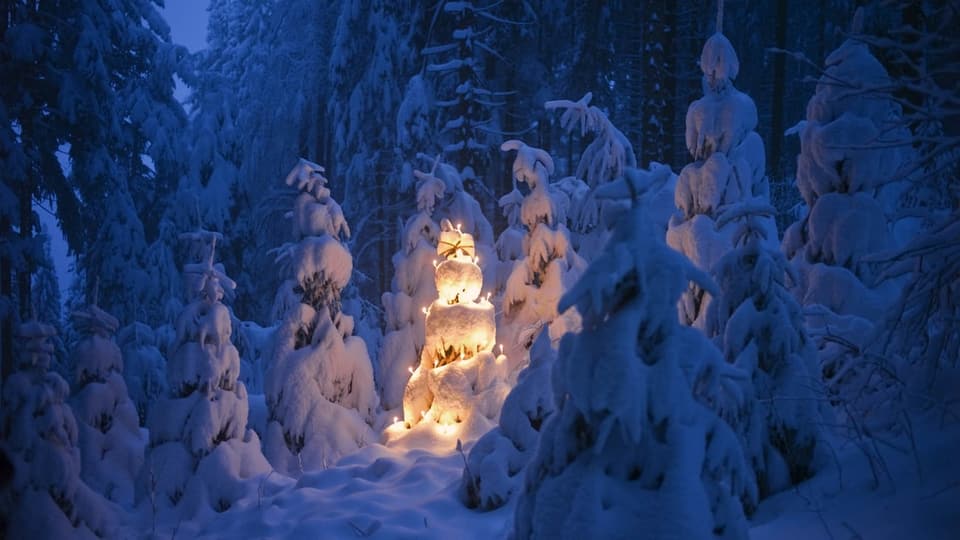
(188, 22)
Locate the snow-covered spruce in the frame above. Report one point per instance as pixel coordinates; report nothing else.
(459, 380)
(493, 470)
(605, 159)
(413, 289)
(492, 474)
(761, 332)
(201, 456)
(852, 147)
(728, 167)
(549, 265)
(319, 389)
(628, 448)
(45, 498)
(144, 367)
(111, 443)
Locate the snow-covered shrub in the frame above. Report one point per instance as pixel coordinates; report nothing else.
(728, 167)
(459, 380)
(201, 456)
(144, 367)
(319, 389)
(760, 327)
(46, 497)
(549, 265)
(628, 448)
(919, 332)
(111, 444)
(852, 153)
(493, 470)
(413, 289)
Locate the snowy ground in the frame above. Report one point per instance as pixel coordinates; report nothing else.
(906, 504)
(404, 490)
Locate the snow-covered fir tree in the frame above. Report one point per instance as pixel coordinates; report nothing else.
(413, 289)
(608, 156)
(628, 448)
(549, 265)
(459, 379)
(853, 152)
(144, 367)
(320, 389)
(459, 67)
(201, 457)
(728, 167)
(760, 329)
(46, 497)
(111, 444)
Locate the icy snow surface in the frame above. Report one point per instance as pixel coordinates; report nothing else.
(408, 489)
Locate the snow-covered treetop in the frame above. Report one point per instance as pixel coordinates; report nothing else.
(205, 280)
(532, 165)
(430, 189)
(609, 153)
(453, 241)
(93, 321)
(719, 63)
(37, 349)
(308, 177)
(444, 172)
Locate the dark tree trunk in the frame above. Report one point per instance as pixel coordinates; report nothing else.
(774, 154)
(660, 83)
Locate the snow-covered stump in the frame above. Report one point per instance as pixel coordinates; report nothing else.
(549, 265)
(413, 289)
(459, 380)
(761, 332)
(202, 457)
(111, 444)
(628, 448)
(853, 146)
(45, 498)
(320, 390)
(728, 167)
